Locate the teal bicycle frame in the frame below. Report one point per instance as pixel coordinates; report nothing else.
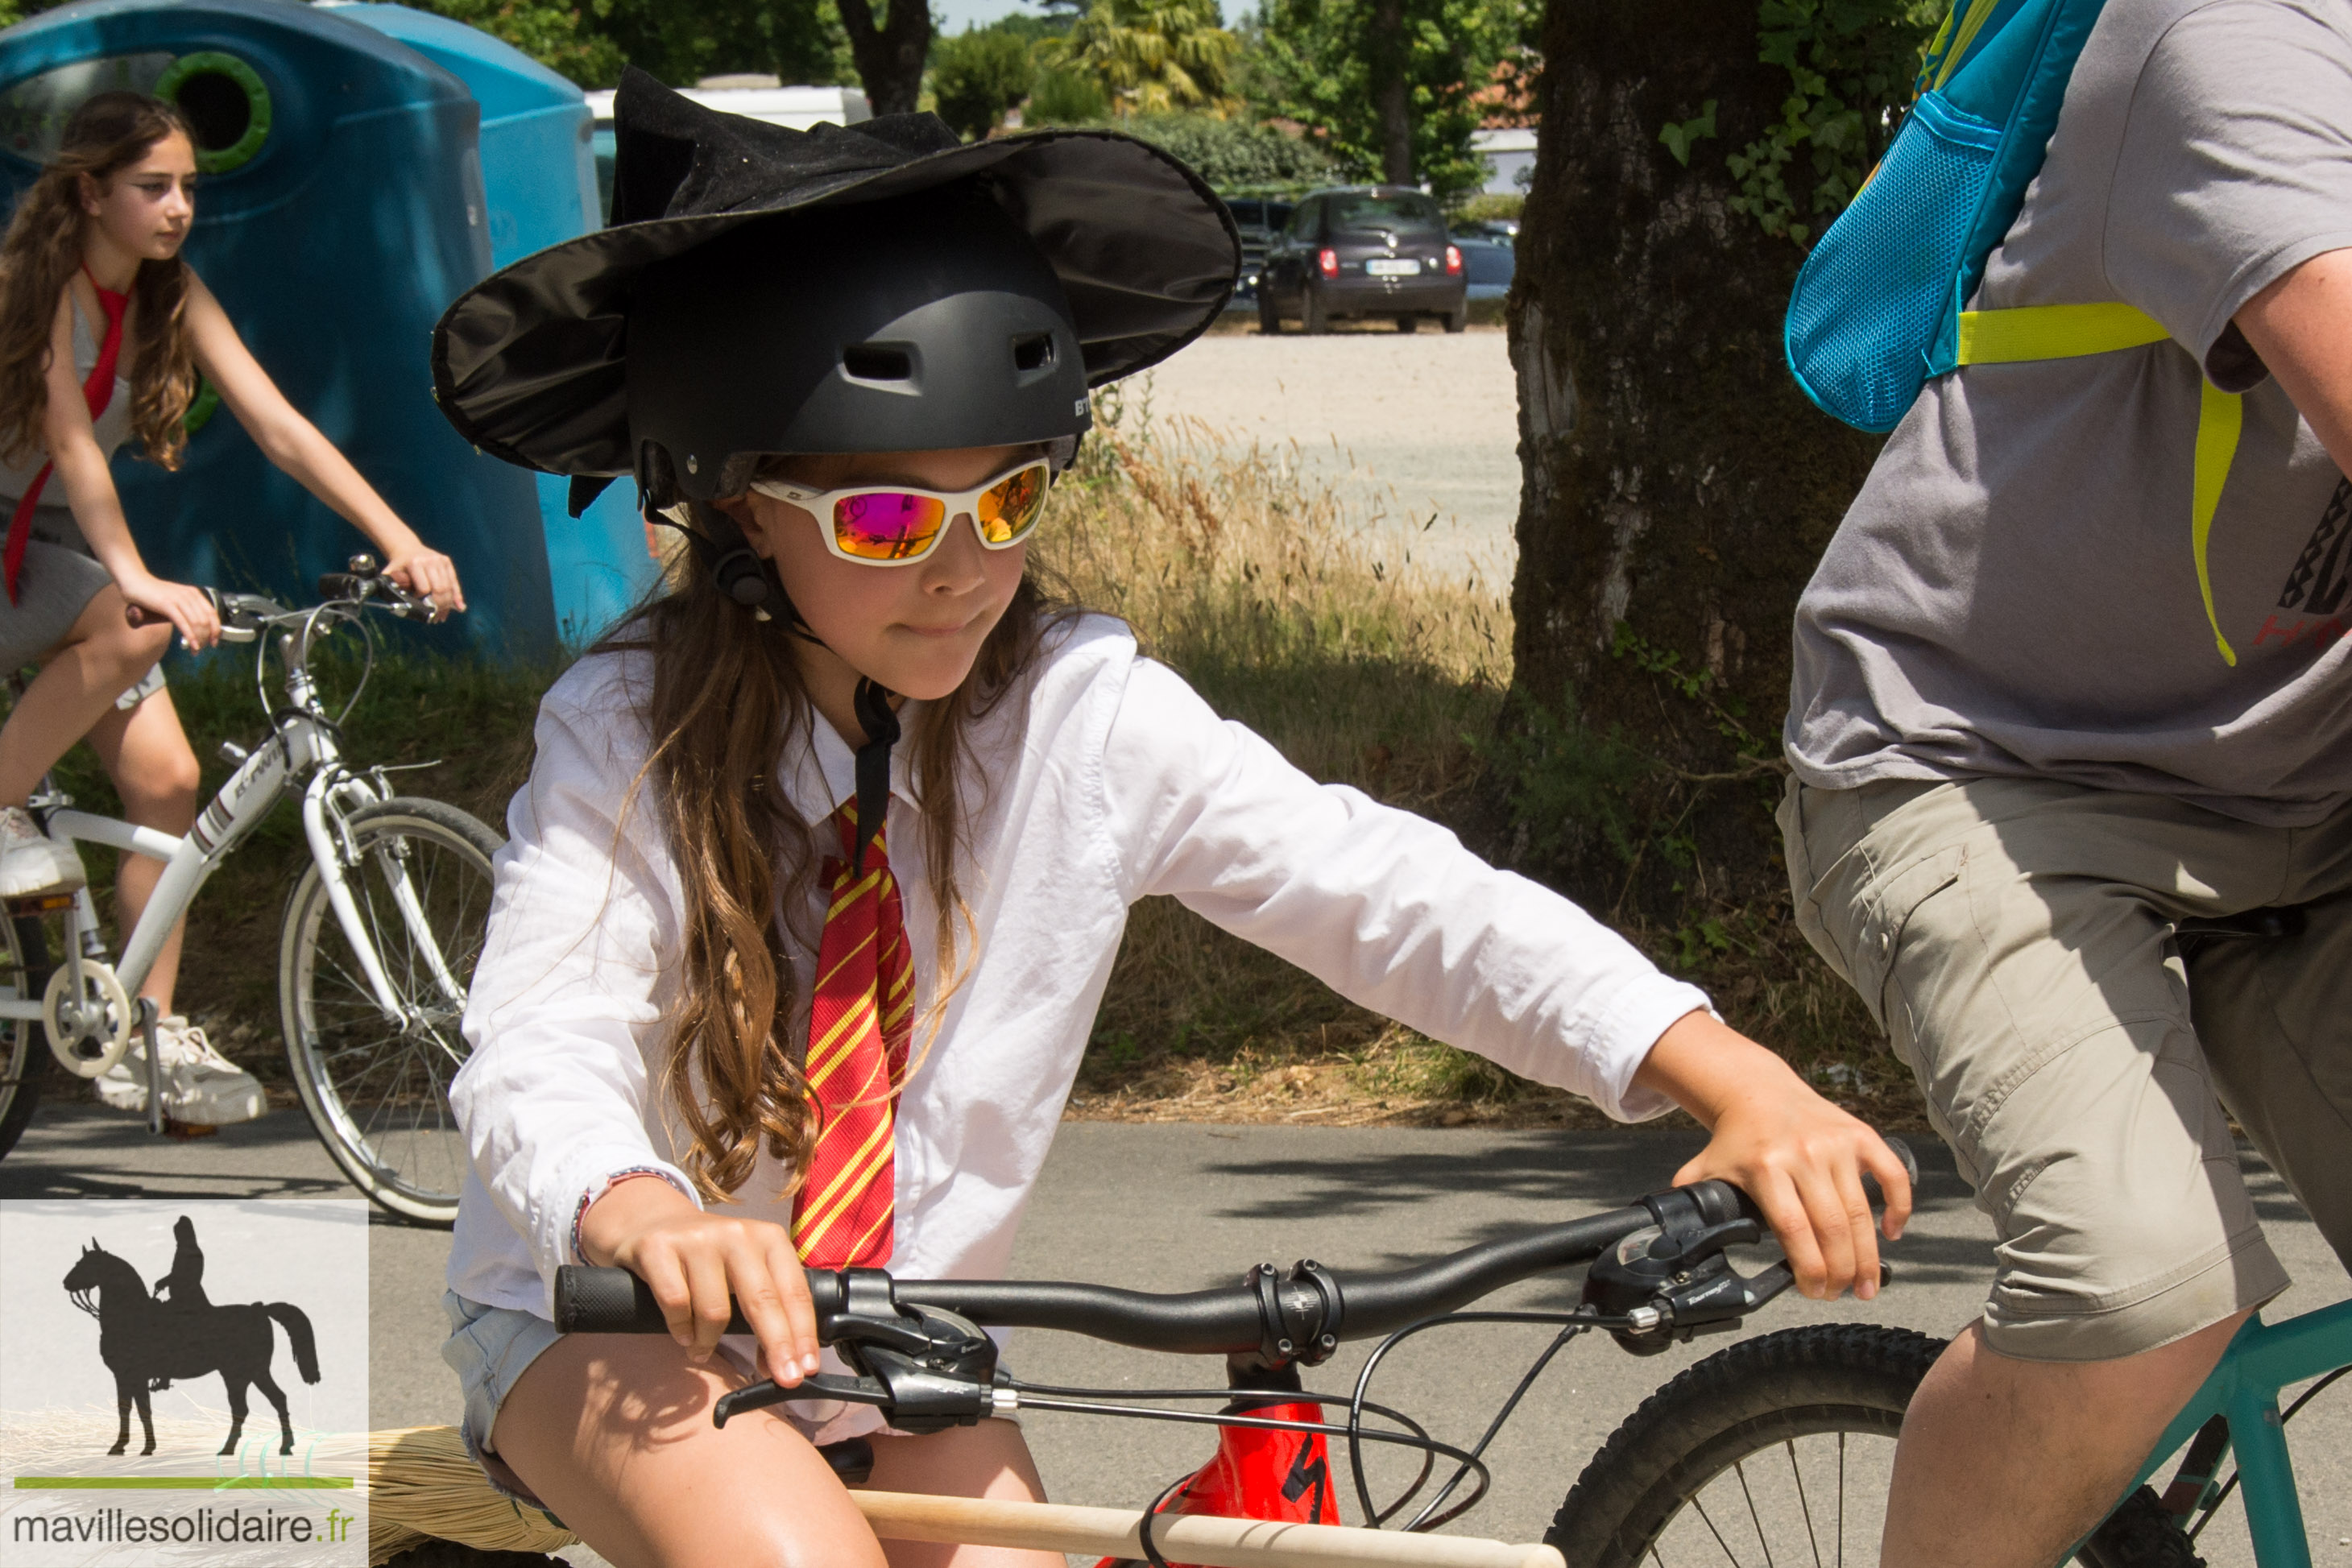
(2264, 1358)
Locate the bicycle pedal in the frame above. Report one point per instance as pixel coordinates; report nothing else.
(175, 1128)
(41, 904)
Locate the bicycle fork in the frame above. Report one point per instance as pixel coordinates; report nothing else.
(329, 841)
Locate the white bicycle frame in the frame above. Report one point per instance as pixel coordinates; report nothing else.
(303, 744)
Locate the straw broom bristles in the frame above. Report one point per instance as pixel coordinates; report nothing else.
(421, 1487)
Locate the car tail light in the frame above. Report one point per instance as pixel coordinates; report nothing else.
(1329, 260)
(1452, 261)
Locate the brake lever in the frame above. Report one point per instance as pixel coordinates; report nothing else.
(823, 1385)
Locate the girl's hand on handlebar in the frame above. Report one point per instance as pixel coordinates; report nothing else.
(185, 607)
(1799, 1156)
(428, 574)
(694, 1262)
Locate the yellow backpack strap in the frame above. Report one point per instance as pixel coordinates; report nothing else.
(2053, 332)
(2220, 416)
(2068, 332)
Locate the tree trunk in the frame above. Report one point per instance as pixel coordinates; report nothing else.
(889, 56)
(1390, 92)
(1677, 488)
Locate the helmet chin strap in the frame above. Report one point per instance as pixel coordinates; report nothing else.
(880, 722)
(743, 577)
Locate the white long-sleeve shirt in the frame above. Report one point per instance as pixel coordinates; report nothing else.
(1103, 780)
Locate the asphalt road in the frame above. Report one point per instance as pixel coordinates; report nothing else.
(1173, 1206)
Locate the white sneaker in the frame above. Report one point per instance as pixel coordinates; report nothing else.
(201, 1086)
(31, 861)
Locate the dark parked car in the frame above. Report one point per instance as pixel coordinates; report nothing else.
(1489, 256)
(1360, 251)
(1260, 222)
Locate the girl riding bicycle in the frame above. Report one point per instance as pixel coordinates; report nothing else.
(104, 332)
(826, 852)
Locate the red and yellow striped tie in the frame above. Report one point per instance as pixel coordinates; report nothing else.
(860, 1020)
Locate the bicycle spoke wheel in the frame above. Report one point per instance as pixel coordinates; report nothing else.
(1776, 1452)
(377, 1089)
(24, 1046)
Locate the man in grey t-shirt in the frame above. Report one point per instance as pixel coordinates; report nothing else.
(2039, 738)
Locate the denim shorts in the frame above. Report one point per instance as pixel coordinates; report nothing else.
(489, 1347)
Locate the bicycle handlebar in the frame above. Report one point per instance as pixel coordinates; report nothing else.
(243, 614)
(1267, 1312)
(1230, 1320)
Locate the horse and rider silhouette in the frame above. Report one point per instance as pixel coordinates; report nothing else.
(146, 1341)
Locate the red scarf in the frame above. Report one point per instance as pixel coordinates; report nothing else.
(96, 392)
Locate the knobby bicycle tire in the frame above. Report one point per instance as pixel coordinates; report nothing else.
(439, 1553)
(24, 1045)
(377, 1096)
(1694, 1439)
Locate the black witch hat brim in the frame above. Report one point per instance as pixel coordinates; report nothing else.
(531, 363)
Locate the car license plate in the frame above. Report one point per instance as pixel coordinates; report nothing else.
(1404, 267)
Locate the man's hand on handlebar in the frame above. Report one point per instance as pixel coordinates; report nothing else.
(693, 1261)
(188, 609)
(1801, 1158)
(428, 574)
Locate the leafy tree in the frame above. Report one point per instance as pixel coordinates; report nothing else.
(1676, 489)
(1065, 98)
(1150, 56)
(975, 79)
(890, 53)
(554, 35)
(1389, 86)
(798, 40)
(1234, 156)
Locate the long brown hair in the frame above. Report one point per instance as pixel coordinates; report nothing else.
(43, 250)
(725, 706)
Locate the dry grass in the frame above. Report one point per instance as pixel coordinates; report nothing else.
(1290, 611)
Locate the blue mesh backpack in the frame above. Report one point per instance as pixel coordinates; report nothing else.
(1880, 305)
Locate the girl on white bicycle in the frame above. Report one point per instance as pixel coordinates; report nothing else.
(104, 332)
(762, 988)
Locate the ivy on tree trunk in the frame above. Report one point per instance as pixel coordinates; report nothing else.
(890, 55)
(1677, 488)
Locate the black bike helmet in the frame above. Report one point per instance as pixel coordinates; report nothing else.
(924, 321)
(872, 286)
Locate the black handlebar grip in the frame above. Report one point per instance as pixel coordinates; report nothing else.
(610, 1301)
(1720, 1202)
(613, 1301)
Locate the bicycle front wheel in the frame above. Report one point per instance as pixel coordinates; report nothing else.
(1779, 1450)
(24, 1046)
(377, 1089)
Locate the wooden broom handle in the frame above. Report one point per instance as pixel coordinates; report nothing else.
(1180, 1537)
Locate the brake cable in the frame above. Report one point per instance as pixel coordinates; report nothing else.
(1572, 1326)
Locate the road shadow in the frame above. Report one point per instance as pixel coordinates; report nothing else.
(84, 1151)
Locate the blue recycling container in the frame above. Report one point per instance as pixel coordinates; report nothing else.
(341, 209)
(539, 174)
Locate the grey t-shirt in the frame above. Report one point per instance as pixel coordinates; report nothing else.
(2014, 592)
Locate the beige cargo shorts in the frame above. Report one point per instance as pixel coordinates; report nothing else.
(2016, 940)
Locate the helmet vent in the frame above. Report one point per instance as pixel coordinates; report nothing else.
(1033, 352)
(877, 363)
